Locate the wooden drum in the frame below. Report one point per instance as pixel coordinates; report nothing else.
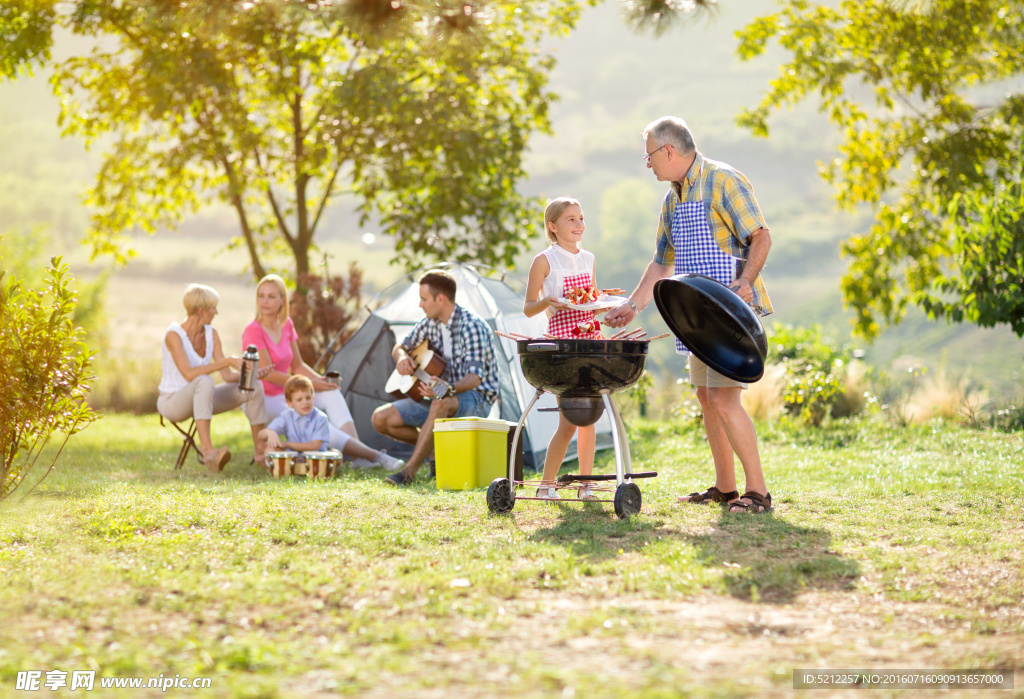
(321, 464)
(281, 463)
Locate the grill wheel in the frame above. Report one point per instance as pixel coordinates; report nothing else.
(501, 499)
(627, 500)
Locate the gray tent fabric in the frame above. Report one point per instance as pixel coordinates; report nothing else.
(365, 362)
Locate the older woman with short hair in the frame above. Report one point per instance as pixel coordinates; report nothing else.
(192, 353)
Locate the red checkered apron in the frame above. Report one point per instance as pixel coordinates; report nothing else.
(563, 323)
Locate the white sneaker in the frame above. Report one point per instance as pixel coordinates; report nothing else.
(390, 463)
(586, 493)
(549, 493)
(360, 462)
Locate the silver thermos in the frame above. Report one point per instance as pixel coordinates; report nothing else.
(250, 364)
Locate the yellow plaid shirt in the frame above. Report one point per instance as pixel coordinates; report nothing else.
(732, 212)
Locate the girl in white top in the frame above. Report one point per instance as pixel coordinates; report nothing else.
(562, 266)
(192, 353)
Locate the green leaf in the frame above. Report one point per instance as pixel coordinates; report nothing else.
(940, 165)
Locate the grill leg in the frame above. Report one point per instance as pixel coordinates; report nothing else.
(623, 462)
(515, 439)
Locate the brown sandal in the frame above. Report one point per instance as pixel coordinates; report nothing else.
(759, 504)
(712, 494)
(217, 460)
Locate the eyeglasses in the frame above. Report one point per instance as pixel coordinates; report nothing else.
(648, 156)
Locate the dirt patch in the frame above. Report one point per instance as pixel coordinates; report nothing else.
(755, 646)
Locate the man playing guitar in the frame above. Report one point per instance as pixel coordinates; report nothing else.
(467, 387)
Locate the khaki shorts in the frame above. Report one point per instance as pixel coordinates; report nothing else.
(702, 375)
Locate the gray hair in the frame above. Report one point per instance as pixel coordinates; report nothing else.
(673, 131)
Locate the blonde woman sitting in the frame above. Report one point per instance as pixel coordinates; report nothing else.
(192, 353)
(274, 335)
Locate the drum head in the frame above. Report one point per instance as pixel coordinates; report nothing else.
(281, 454)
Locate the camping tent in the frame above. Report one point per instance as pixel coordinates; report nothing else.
(365, 362)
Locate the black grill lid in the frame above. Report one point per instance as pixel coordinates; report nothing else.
(715, 324)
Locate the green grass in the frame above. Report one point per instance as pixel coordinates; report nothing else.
(888, 549)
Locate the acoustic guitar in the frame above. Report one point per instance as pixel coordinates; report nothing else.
(430, 363)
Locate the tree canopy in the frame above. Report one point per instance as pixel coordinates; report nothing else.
(422, 110)
(932, 129)
(276, 110)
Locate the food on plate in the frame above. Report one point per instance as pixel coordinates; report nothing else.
(582, 294)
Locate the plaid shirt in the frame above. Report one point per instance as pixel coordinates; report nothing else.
(302, 428)
(472, 351)
(732, 212)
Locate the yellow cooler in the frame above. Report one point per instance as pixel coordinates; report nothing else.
(470, 452)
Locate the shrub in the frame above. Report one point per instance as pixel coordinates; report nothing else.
(857, 397)
(688, 412)
(944, 396)
(22, 254)
(45, 371)
(895, 396)
(814, 371)
(321, 307)
(922, 396)
(1009, 419)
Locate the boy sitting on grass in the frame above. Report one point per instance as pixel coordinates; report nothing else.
(306, 428)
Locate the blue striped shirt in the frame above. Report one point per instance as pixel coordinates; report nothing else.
(302, 428)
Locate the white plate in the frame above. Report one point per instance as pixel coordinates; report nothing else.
(603, 303)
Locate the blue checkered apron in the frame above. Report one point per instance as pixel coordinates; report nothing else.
(696, 251)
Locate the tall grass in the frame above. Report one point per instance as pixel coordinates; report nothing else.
(763, 400)
(125, 385)
(942, 395)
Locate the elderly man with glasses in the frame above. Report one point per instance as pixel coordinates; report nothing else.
(710, 224)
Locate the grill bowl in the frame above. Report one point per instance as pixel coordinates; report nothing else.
(580, 368)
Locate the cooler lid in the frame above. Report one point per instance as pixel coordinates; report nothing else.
(470, 424)
(715, 324)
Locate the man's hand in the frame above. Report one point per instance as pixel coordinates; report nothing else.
(406, 366)
(441, 389)
(620, 316)
(742, 288)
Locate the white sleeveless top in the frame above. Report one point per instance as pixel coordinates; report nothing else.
(562, 264)
(171, 380)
